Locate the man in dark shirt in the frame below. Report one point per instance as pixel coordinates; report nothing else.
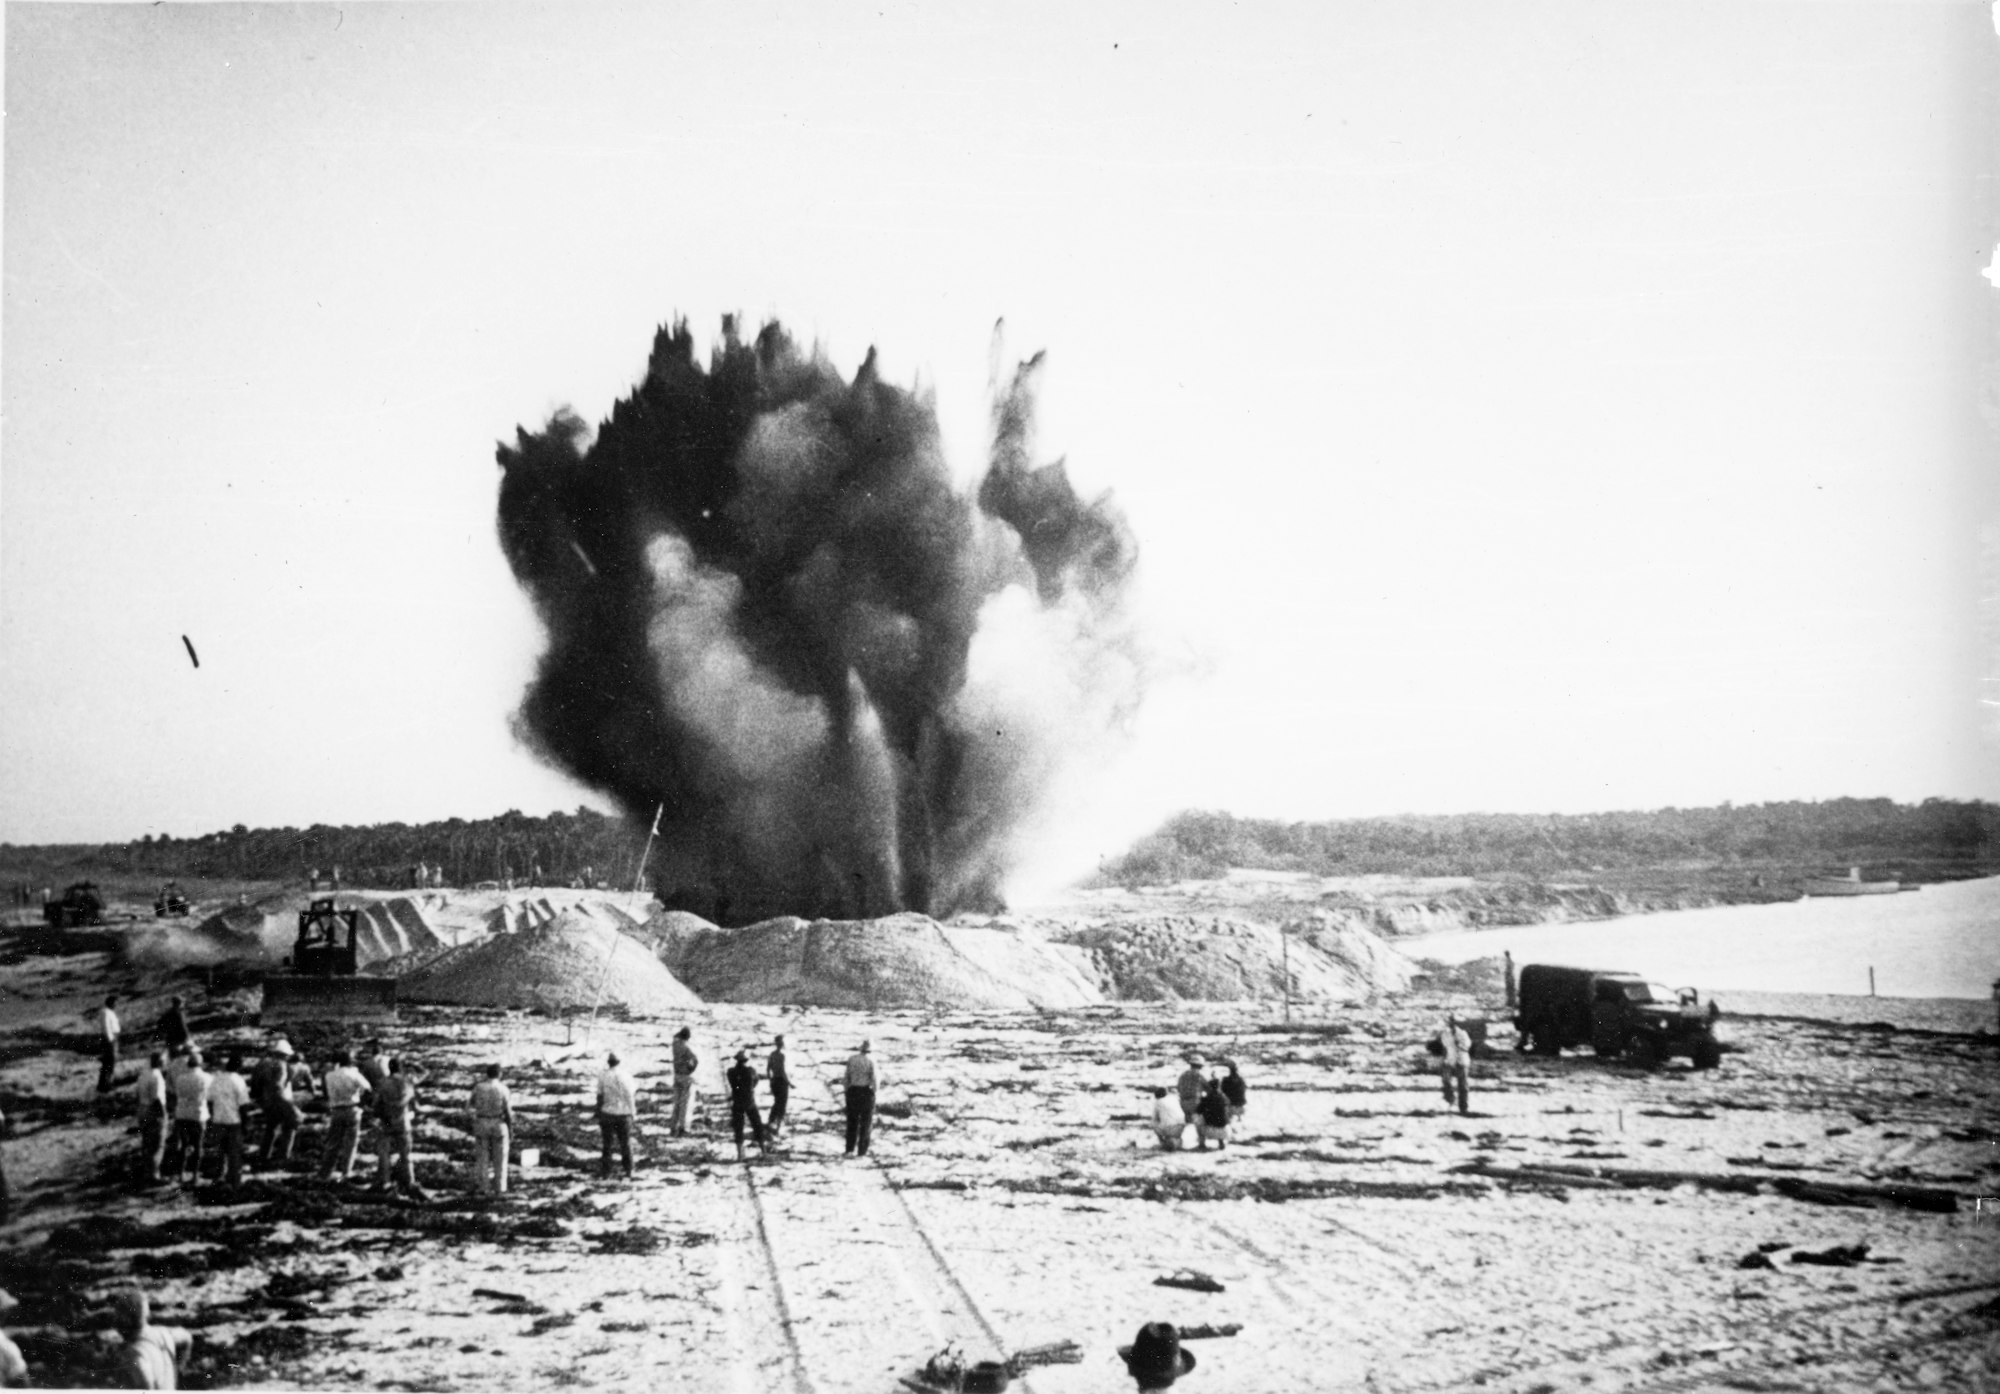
(742, 1077)
(781, 1089)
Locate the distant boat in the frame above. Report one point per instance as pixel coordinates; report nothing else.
(1850, 884)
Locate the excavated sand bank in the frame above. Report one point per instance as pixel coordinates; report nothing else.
(912, 961)
(555, 966)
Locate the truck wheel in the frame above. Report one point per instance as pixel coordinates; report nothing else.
(1707, 1055)
(1546, 1043)
(1645, 1052)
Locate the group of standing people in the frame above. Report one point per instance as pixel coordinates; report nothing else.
(1205, 1101)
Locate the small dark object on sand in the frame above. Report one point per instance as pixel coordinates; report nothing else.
(1755, 1260)
(1839, 1256)
(1191, 1280)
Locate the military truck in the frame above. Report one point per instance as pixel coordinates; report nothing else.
(79, 906)
(1615, 1014)
(320, 979)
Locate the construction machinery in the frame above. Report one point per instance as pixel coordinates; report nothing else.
(171, 902)
(80, 906)
(321, 979)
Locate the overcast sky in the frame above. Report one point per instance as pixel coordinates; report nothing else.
(1531, 407)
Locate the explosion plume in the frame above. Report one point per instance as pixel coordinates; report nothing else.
(770, 612)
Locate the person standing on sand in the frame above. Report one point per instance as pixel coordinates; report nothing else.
(190, 1118)
(1189, 1086)
(346, 1088)
(742, 1077)
(151, 1356)
(228, 1092)
(492, 1130)
(374, 1067)
(395, 1115)
(274, 1084)
(1457, 1060)
(617, 1103)
(685, 1061)
(150, 1099)
(781, 1090)
(1212, 1119)
(1169, 1123)
(107, 1044)
(1235, 1091)
(860, 1100)
(174, 1026)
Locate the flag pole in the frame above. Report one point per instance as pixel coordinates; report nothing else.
(638, 880)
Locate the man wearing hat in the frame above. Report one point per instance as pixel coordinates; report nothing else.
(1190, 1085)
(781, 1089)
(152, 1355)
(1155, 1358)
(742, 1078)
(272, 1089)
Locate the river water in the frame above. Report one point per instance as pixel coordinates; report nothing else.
(1942, 941)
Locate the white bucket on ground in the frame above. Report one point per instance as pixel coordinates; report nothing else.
(531, 1157)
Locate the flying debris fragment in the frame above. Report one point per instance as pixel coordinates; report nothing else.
(192, 656)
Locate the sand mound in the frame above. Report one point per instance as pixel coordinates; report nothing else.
(513, 916)
(1216, 958)
(900, 961)
(555, 967)
(389, 929)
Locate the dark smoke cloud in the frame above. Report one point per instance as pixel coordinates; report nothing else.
(770, 612)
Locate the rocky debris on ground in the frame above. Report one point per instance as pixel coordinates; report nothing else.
(1218, 958)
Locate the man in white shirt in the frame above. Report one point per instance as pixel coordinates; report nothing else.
(617, 1102)
(685, 1061)
(1169, 1123)
(345, 1089)
(228, 1092)
(492, 1131)
(860, 1100)
(1457, 1055)
(152, 1355)
(150, 1104)
(190, 1118)
(107, 1044)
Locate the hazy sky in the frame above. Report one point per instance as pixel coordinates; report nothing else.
(1537, 407)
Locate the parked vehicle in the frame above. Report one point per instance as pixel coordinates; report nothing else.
(80, 906)
(1615, 1014)
(171, 902)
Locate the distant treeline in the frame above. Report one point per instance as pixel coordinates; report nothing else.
(561, 846)
(1839, 832)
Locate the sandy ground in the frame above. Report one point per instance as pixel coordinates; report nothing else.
(1014, 1199)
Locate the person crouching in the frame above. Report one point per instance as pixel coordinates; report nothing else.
(1169, 1123)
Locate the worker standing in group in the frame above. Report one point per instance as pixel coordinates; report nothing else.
(274, 1085)
(395, 1116)
(150, 1099)
(190, 1117)
(685, 1061)
(1452, 1070)
(228, 1092)
(617, 1104)
(174, 1026)
(781, 1090)
(492, 1132)
(346, 1088)
(860, 1077)
(1189, 1086)
(1235, 1091)
(107, 1044)
(742, 1079)
(1212, 1117)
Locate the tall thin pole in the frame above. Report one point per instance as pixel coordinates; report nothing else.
(1285, 949)
(638, 880)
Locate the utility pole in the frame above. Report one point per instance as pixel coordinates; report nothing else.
(638, 880)
(1285, 951)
